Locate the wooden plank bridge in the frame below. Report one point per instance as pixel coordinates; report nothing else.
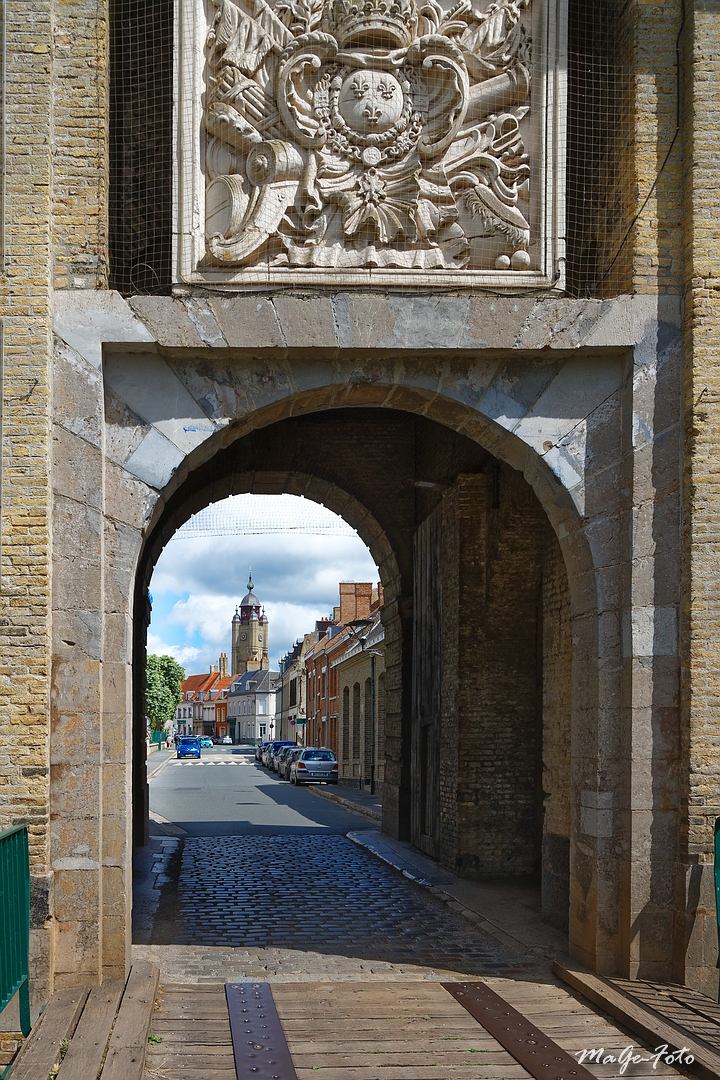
(375, 1030)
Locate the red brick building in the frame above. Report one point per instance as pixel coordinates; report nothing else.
(357, 601)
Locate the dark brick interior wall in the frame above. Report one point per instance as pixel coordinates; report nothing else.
(556, 690)
(505, 685)
(498, 783)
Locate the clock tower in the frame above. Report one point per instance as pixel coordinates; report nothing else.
(250, 633)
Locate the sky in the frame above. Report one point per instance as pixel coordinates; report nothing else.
(200, 577)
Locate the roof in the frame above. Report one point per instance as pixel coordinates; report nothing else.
(250, 600)
(263, 682)
(222, 684)
(195, 683)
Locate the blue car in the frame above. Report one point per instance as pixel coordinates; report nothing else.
(189, 747)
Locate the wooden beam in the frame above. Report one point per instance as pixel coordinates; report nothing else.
(651, 1026)
(41, 1051)
(88, 1044)
(128, 1042)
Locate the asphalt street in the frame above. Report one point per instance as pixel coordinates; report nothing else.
(227, 793)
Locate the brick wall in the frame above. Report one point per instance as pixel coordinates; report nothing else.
(505, 672)
(701, 495)
(26, 396)
(80, 144)
(556, 643)
(498, 782)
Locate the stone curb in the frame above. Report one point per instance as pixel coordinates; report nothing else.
(159, 769)
(347, 803)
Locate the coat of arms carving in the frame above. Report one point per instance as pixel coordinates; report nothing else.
(350, 138)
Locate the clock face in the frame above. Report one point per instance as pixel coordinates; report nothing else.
(259, 637)
(243, 636)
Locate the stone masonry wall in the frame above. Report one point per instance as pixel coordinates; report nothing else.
(55, 213)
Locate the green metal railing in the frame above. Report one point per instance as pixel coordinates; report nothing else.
(15, 921)
(717, 884)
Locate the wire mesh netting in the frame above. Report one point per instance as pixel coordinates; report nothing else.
(599, 187)
(248, 515)
(141, 153)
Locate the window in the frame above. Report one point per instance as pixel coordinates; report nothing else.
(293, 691)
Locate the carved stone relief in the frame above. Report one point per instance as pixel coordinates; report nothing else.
(355, 140)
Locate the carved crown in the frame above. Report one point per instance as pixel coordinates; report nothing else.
(371, 23)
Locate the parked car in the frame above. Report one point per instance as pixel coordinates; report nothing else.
(226, 740)
(272, 749)
(206, 742)
(285, 761)
(281, 752)
(314, 765)
(189, 746)
(260, 750)
(279, 760)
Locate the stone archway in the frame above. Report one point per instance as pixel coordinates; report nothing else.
(454, 532)
(131, 431)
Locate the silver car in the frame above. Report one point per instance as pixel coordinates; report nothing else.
(315, 765)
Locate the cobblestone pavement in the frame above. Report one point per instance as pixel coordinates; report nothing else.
(311, 903)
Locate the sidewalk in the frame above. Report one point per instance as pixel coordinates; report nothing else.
(362, 802)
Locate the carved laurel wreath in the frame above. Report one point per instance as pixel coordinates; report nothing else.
(344, 140)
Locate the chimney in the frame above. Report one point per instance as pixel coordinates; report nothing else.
(223, 665)
(355, 600)
(213, 669)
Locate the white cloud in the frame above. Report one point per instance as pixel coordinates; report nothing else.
(205, 615)
(198, 581)
(184, 654)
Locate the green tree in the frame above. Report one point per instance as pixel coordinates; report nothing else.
(163, 682)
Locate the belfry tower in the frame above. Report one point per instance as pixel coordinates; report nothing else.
(250, 634)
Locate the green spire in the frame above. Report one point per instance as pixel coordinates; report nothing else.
(250, 585)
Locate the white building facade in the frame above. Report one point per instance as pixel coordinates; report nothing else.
(251, 706)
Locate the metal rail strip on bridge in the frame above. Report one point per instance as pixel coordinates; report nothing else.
(261, 1051)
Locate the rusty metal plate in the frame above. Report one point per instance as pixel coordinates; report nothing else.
(530, 1047)
(259, 1045)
